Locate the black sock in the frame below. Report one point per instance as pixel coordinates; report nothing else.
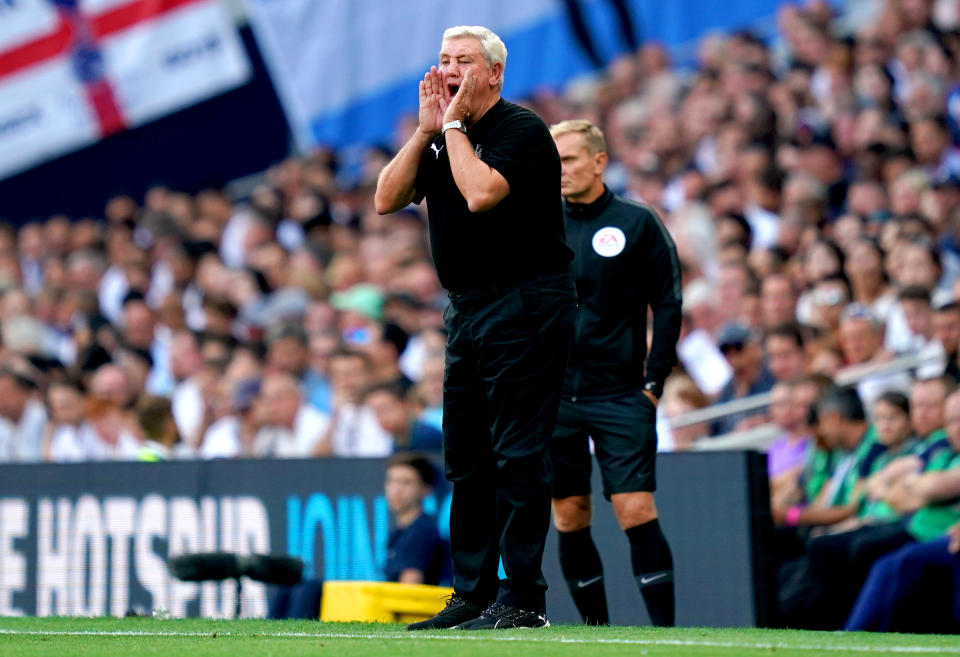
(653, 569)
(583, 570)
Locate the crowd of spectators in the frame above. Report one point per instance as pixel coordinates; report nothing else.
(812, 185)
(297, 324)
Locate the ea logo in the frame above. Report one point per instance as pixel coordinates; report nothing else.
(609, 241)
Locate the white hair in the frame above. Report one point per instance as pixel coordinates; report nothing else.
(490, 44)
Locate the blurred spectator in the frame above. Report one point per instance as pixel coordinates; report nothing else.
(860, 337)
(289, 427)
(23, 418)
(416, 554)
(65, 405)
(946, 329)
(233, 434)
(680, 395)
(741, 347)
(316, 379)
(784, 352)
(810, 181)
(105, 436)
(354, 430)
(778, 298)
(161, 439)
(396, 417)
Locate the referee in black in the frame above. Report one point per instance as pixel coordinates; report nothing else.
(491, 175)
(625, 262)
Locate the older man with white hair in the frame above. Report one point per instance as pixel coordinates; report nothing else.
(491, 175)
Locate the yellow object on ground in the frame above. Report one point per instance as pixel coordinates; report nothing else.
(386, 602)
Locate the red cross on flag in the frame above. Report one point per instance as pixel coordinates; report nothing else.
(75, 71)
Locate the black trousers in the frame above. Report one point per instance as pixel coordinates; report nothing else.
(507, 352)
(818, 590)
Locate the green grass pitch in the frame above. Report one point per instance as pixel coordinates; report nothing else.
(105, 637)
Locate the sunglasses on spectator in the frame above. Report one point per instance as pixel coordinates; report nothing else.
(859, 311)
(828, 297)
(731, 347)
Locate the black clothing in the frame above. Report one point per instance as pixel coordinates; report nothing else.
(625, 441)
(500, 616)
(510, 324)
(506, 355)
(418, 546)
(625, 262)
(456, 611)
(616, 283)
(519, 239)
(583, 571)
(652, 564)
(818, 590)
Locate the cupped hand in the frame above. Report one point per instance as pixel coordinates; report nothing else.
(459, 106)
(434, 101)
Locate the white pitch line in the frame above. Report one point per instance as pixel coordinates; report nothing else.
(487, 637)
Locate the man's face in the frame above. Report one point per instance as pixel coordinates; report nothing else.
(185, 357)
(859, 340)
(951, 416)
(778, 301)
(926, 407)
(457, 55)
(785, 358)
(780, 403)
(390, 411)
(348, 376)
(803, 396)
(928, 141)
(404, 489)
(12, 398)
(918, 316)
(579, 170)
(66, 404)
(287, 355)
(830, 428)
(829, 298)
(946, 328)
(918, 268)
(138, 325)
(891, 423)
(280, 401)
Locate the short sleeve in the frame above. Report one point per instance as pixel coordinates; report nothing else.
(416, 551)
(424, 175)
(521, 146)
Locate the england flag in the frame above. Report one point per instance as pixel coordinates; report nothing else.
(73, 72)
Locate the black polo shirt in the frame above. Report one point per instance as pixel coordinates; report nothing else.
(522, 236)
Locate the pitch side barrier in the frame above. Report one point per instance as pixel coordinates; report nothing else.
(847, 376)
(93, 539)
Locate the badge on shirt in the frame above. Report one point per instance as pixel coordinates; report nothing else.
(609, 241)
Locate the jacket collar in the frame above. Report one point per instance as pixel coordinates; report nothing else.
(587, 211)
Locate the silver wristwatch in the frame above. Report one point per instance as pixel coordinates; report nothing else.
(458, 125)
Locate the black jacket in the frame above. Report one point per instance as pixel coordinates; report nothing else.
(625, 261)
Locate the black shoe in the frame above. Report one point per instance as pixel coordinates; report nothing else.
(499, 616)
(455, 612)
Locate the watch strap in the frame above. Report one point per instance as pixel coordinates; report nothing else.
(456, 124)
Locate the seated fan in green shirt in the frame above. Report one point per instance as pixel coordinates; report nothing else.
(822, 586)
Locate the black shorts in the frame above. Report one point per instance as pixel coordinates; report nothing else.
(625, 443)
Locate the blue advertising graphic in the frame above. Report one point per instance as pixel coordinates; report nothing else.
(94, 539)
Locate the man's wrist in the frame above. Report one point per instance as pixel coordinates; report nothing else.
(454, 124)
(653, 388)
